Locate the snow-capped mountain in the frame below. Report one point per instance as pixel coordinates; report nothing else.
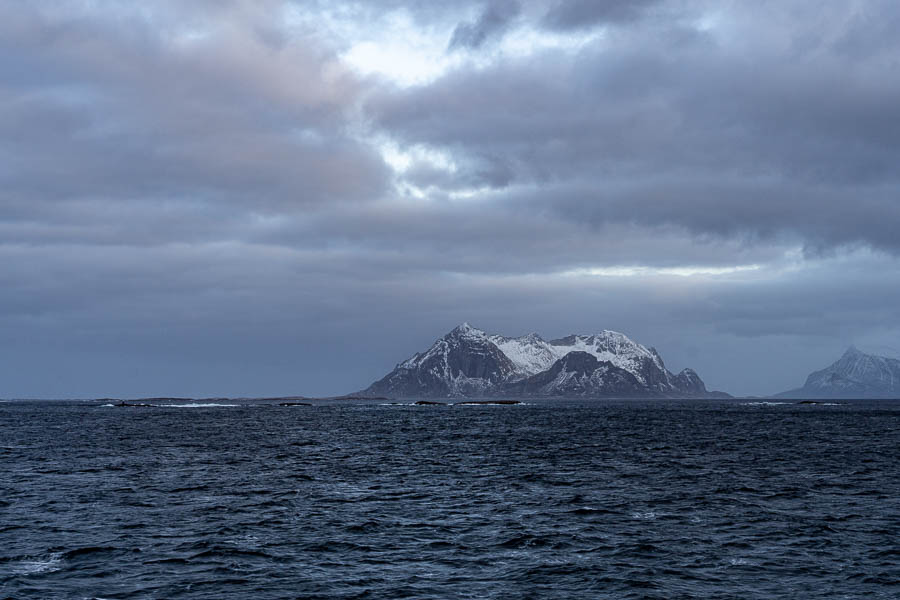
(854, 375)
(469, 362)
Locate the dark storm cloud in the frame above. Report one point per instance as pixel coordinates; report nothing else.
(498, 238)
(579, 14)
(495, 17)
(818, 217)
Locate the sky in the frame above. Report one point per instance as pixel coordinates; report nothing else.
(266, 197)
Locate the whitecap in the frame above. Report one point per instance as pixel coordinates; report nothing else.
(32, 567)
(194, 405)
(644, 516)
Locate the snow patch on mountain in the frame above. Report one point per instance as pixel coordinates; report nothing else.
(612, 347)
(531, 354)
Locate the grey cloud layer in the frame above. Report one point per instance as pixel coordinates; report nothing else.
(108, 110)
(199, 186)
(662, 123)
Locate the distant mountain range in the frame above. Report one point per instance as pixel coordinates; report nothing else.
(854, 375)
(467, 362)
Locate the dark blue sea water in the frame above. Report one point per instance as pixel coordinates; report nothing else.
(556, 500)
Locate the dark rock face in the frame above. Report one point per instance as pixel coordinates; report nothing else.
(647, 366)
(689, 382)
(467, 362)
(854, 375)
(577, 374)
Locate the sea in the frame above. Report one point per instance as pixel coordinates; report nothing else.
(655, 499)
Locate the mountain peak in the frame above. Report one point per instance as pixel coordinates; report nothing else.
(852, 351)
(855, 375)
(531, 337)
(464, 329)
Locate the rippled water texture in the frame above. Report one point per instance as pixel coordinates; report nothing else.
(590, 500)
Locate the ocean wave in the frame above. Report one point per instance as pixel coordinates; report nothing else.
(764, 403)
(644, 516)
(573, 501)
(43, 565)
(193, 405)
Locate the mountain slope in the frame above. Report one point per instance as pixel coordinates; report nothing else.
(469, 362)
(854, 375)
(462, 363)
(576, 374)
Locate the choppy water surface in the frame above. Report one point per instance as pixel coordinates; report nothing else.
(592, 500)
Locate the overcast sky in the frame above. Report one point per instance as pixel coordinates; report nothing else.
(252, 198)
